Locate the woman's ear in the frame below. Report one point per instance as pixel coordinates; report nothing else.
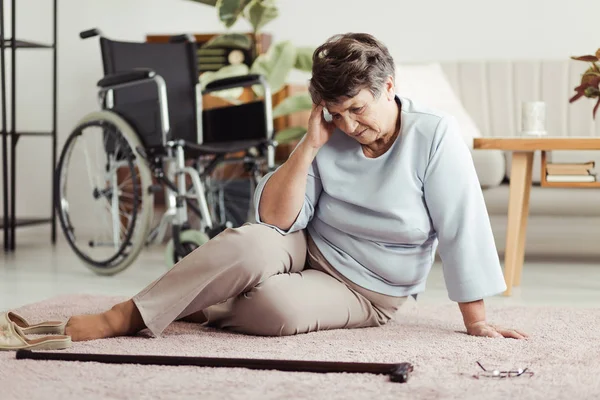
(390, 88)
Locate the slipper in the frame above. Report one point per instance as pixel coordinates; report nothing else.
(13, 338)
(43, 328)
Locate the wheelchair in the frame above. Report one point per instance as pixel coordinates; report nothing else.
(151, 136)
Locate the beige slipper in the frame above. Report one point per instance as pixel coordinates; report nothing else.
(43, 328)
(13, 338)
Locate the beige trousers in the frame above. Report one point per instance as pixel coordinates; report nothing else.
(254, 280)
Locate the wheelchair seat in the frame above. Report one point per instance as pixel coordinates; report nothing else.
(225, 147)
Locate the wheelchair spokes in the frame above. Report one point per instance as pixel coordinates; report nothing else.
(105, 222)
(230, 189)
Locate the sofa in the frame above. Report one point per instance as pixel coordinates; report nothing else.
(485, 96)
(563, 222)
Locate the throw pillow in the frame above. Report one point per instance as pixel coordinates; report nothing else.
(428, 84)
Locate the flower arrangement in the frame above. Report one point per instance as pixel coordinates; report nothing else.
(590, 81)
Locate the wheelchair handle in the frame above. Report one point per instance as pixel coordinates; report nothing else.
(89, 33)
(235, 82)
(182, 38)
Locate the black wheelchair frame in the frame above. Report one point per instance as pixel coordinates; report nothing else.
(168, 137)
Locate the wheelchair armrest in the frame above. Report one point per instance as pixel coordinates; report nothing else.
(235, 82)
(120, 78)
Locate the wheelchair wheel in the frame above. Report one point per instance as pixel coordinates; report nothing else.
(104, 204)
(230, 192)
(190, 241)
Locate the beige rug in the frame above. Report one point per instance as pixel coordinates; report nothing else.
(563, 352)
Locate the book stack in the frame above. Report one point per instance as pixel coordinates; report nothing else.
(570, 172)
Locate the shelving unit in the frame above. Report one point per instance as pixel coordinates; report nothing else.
(11, 135)
(544, 182)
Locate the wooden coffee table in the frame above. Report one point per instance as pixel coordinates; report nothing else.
(523, 149)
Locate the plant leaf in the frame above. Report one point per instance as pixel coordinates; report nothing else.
(233, 40)
(290, 134)
(304, 58)
(292, 104)
(591, 92)
(590, 78)
(576, 97)
(225, 72)
(207, 2)
(230, 10)
(598, 53)
(586, 58)
(591, 71)
(261, 12)
(275, 66)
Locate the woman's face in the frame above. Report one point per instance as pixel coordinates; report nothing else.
(365, 118)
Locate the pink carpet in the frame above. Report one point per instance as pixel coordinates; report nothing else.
(564, 353)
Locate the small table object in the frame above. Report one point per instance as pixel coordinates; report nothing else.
(523, 149)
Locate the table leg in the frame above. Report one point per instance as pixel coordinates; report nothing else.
(524, 219)
(518, 210)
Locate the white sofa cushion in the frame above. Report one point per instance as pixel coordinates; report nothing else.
(490, 166)
(428, 84)
(548, 202)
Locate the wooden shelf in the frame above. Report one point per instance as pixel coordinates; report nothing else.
(545, 183)
(571, 184)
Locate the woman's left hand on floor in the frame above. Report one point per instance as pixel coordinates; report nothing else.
(483, 328)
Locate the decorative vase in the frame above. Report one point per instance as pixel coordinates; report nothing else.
(533, 118)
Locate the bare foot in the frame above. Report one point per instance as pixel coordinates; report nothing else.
(121, 320)
(88, 327)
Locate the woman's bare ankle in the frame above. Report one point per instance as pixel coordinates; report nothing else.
(125, 319)
(121, 320)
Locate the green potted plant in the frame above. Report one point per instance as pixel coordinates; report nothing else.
(275, 64)
(590, 81)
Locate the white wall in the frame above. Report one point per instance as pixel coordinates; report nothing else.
(413, 30)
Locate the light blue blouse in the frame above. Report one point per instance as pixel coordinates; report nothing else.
(379, 221)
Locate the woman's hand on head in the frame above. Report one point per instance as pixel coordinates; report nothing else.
(319, 130)
(483, 328)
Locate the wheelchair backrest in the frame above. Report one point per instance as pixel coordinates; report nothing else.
(176, 64)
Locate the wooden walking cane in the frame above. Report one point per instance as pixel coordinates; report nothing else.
(398, 372)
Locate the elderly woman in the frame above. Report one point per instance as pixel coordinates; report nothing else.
(347, 228)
